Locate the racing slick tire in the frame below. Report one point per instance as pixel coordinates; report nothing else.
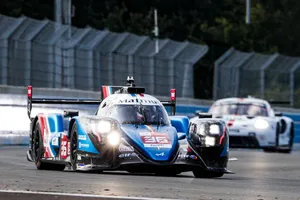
(38, 151)
(291, 141)
(73, 147)
(200, 173)
(274, 149)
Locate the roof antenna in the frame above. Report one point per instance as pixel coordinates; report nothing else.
(130, 81)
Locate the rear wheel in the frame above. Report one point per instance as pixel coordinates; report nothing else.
(74, 147)
(38, 151)
(200, 173)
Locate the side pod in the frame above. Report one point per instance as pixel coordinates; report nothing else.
(181, 124)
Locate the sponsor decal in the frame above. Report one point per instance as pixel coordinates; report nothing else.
(234, 130)
(187, 157)
(135, 100)
(126, 155)
(55, 141)
(153, 139)
(64, 148)
(160, 154)
(83, 145)
(193, 157)
(125, 148)
(81, 137)
(80, 165)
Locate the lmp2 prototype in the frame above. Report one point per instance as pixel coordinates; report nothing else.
(130, 131)
(253, 123)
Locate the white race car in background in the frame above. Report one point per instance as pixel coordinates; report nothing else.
(253, 123)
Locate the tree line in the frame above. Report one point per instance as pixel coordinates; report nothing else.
(218, 23)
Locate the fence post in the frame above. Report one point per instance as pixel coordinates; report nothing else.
(188, 82)
(131, 55)
(152, 63)
(292, 84)
(238, 66)
(171, 66)
(216, 71)
(262, 74)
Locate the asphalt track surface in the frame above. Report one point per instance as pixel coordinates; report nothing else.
(259, 176)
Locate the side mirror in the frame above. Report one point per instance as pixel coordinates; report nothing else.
(71, 113)
(204, 115)
(198, 111)
(181, 136)
(278, 114)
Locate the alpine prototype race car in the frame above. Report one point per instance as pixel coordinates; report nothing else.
(254, 124)
(129, 131)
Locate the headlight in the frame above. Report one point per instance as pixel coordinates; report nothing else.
(113, 138)
(104, 126)
(261, 124)
(210, 141)
(100, 126)
(214, 129)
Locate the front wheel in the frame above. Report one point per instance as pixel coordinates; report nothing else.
(200, 173)
(274, 149)
(74, 147)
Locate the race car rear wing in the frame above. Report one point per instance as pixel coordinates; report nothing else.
(279, 102)
(31, 100)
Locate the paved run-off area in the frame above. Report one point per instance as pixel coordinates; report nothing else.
(258, 175)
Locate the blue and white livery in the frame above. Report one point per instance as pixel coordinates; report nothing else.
(129, 131)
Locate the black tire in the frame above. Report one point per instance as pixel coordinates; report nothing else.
(275, 148)
(73, 147)
(200, 173)
(38, 151)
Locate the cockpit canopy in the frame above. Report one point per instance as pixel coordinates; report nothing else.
(137, 114)
(249, 109)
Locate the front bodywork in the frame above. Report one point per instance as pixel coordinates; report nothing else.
(244, 133)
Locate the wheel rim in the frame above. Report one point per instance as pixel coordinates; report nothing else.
(36, 145)
(74, 147)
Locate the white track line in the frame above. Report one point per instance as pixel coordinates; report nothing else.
(80, 195)
(233, 159)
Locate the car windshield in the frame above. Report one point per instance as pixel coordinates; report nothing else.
(140, 114)
(239, 109)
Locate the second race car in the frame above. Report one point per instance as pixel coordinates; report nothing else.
(253, 123)
(130, 131)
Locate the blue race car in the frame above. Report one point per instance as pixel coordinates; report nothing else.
(130, 131)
